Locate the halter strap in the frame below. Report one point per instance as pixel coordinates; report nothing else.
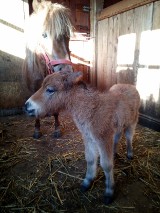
(60, 61)
(54, 62)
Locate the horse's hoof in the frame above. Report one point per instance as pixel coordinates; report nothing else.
(108, 199)
(37, 135)
(57, 133)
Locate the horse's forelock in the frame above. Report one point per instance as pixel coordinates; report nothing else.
(57, 22)
(50, 18)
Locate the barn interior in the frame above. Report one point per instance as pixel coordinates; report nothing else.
(115, 41)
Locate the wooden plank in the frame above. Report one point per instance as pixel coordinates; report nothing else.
(156, 16)
(126, 45)
(108, 31)
(116, 27)
(96, 6)
(126, 22)
(102, 52)
(108, 63)
(121, 7)
(142, 22)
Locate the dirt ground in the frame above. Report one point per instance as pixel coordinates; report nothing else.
(44, 175)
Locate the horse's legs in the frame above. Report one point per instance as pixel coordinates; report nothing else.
(37, 133)
(57, 131)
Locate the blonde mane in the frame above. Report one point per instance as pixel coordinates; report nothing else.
(50, 18)
(57, 22)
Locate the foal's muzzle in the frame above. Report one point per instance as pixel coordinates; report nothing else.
(29, 110)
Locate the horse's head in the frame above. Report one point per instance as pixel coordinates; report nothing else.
(48, 34)
(56, 32)
(56, 52)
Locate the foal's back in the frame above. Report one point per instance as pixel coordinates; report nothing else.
(129, 97)
(106, 111)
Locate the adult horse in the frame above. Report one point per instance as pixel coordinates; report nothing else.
(48, 31)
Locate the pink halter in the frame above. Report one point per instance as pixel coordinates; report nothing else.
(53, 62)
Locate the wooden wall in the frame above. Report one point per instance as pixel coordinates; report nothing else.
(128, 51)
(12, 52)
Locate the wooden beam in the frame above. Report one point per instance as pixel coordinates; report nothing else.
(121, 7)
(96, 7)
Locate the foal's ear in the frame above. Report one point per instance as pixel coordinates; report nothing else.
(72, 78)
(76, 77)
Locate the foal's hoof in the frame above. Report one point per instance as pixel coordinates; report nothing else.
(57, 133)
(37, 135)
(108, 199)
(129, 157)
(84, 188)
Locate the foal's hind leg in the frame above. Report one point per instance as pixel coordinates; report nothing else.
(129, 132)
(57, 132)
(37, 133)
(117, 137)
(106, 161)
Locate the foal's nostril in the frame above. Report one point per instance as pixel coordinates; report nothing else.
(26, 106)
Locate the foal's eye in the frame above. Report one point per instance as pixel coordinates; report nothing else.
(50, 90)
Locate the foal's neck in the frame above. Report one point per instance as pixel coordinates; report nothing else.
(79, 97)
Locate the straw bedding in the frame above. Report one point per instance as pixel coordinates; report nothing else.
(44, 175)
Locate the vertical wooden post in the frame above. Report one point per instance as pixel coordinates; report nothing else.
(96, 7)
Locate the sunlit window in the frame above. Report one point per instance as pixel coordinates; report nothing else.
(150, 48)
(148, 77)
(12, 26)
(81, 49)
(126, 48)
(11, 15)
(12, 41)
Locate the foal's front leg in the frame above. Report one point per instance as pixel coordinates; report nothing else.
(57, 132)
(91, 156)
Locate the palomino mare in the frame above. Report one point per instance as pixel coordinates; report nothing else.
(48, 31)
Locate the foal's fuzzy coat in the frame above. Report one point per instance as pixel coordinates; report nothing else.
(100, 117)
